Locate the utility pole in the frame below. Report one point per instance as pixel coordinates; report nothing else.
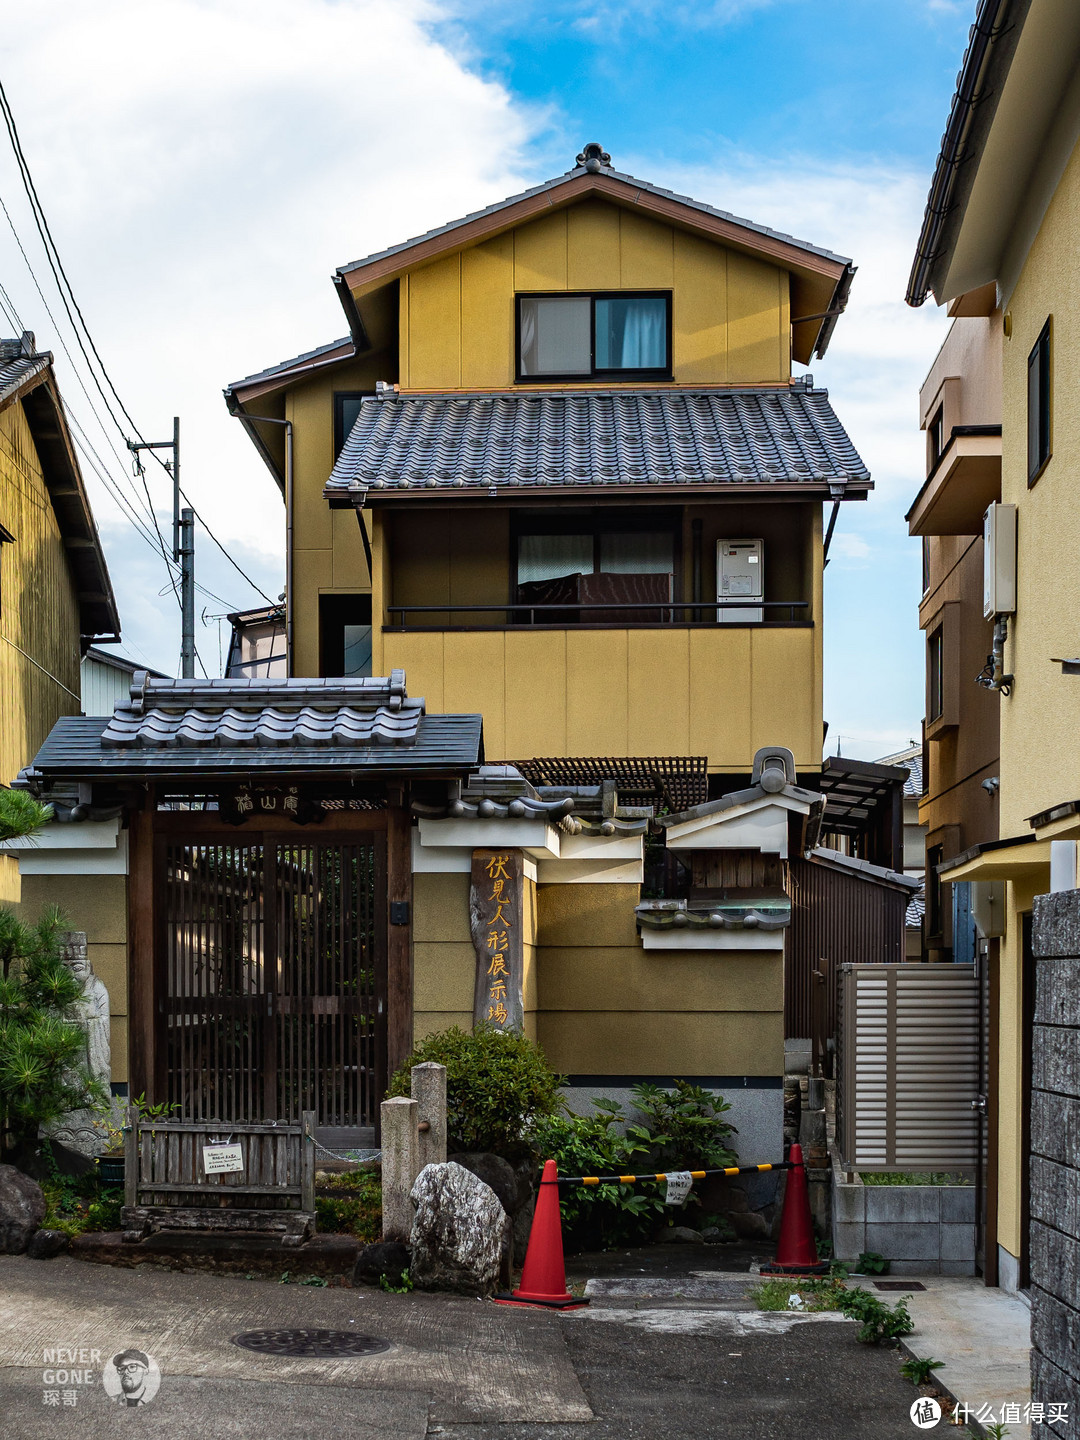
(183, 547)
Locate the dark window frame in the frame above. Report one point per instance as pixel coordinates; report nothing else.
(926, 565)
(579, 378)
(935, 435)
(340, 396)
(1039, 386)
(935, 674)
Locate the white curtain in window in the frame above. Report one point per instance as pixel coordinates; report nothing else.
(555, 338)
(631, 334)
(549, 557)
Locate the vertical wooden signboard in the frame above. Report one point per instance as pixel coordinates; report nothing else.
(495, 919)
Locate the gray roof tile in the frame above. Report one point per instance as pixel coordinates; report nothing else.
(262, 713)
(591, 438)
(16, 371)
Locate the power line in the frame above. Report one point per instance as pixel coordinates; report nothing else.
(52, 254)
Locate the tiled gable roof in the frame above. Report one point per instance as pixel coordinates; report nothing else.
(264, 713)
(597, 438)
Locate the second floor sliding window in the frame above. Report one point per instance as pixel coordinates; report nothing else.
(602, 336)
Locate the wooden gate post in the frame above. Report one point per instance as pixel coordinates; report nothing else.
(429, 1092)
(400, 1166)
(307, 1161)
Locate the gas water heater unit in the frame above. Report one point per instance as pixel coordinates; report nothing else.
(740, 575)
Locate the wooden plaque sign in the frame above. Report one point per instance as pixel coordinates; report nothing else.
(495, 919)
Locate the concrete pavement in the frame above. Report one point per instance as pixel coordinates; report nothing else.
(692, 1361)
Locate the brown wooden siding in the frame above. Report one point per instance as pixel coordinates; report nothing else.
(837, 919)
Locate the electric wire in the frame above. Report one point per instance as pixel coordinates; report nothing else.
(78, 376)
(52, 255)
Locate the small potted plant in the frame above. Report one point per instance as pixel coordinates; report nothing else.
(110, 1163)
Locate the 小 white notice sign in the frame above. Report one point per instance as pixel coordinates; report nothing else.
(220, 1159)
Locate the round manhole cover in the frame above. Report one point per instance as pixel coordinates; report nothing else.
(325, 1343)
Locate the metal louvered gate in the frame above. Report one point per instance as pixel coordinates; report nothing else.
(908, 1067)
(272, 977)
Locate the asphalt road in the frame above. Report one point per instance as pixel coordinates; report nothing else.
(629, 1368)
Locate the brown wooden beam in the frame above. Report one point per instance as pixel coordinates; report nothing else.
(141, 950)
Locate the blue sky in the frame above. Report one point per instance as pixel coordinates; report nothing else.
(217, 159)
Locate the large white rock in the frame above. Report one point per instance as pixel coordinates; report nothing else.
(460, 1231)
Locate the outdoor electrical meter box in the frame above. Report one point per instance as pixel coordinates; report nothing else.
(999, 560)
(740, 575)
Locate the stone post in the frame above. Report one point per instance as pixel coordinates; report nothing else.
(429, 1092)
(400, 1166)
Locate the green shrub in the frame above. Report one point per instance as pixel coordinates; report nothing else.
(599, 1217)
(683, 1129)
(40, 1043)
(498, 1084)
(911, 1177)
(920, 1371)
(871, 1263)
(76, 1204)
(823, 1294)
(879, 1321)
(354, 1207)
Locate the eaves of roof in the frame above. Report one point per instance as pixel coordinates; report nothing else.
(591, 181)
(29, 378)
(444, 745)
(798, 256)
(1012, 129)
(317, 359)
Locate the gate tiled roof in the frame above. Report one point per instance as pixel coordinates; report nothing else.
(591, 439)
(201, 728)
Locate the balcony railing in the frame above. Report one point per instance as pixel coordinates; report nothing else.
(616, 614)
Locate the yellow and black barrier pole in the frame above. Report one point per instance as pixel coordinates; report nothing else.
(694, 1174)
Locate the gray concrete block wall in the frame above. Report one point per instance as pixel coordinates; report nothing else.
(921, 1229)
(1055, 1154)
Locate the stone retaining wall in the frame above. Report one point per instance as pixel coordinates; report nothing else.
(1055, 1155)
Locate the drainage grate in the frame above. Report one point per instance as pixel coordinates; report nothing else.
(899, 1285)
(325, 1343)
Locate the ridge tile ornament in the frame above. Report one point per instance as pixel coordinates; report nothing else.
(496, 915)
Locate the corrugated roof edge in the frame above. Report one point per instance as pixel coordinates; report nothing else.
(284, 366)
(612, 174)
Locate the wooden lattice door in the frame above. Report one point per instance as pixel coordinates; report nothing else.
(272, 976)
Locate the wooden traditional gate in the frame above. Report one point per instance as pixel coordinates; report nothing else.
(271, 975)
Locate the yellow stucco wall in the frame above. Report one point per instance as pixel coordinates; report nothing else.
(38, 613)
(720, 692)
(96, 904)
(597, 1002)
(328, 551)
(730, 320)
(609, 1007)
(1040, 760)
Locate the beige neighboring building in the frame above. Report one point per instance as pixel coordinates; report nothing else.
(998, 246)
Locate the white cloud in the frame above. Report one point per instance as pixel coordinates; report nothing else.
(847, 546)
(204, 165)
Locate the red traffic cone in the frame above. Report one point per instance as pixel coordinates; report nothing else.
(796, 1252)
(543, 1277)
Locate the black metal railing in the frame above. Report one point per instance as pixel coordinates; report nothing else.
(700, 612)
